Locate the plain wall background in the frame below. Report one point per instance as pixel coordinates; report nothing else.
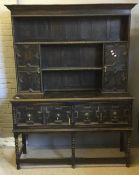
(7, 67)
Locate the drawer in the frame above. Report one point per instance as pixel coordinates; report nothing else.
(58, 115)
(95, 113)
(29, 115)
(102, 113)
(46, 115)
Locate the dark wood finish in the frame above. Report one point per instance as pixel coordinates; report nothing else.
(24, 143)
(122, 142)
(71, 10)
(17, 151)
(115, 67)
(72, 74)
(73, 143)
(109, 160)
(38, 161)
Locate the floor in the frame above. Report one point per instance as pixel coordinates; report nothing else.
(7, 167)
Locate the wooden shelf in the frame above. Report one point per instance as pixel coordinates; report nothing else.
(69, 42)
(72, 69)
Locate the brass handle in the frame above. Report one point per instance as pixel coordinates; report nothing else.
(101, 117)
(69, 121)
(38, 70)
(105, 69)
(29, 116)
(29, 120)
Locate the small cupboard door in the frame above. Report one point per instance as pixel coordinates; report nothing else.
(28, 81)
(27, 55)
(115, 67)
(28, 67)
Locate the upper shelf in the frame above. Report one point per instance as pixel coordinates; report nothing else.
(71, 9)
(68, 42)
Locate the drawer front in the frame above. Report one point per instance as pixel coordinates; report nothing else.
(97, 114)
(29, 115)
(44, 115)
(102, 114)
(58, 115)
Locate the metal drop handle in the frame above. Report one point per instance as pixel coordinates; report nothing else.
(69, 121)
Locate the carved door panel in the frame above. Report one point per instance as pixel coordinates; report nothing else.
(28, 81)
(115, 68)
(28, 67)
(27, 55)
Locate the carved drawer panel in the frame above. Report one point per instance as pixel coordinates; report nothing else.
(27, 55)
(102, 113)
(58, 115)
(29, 115)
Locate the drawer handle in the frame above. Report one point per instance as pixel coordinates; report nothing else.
(58, 120)
(29, 120)
(101, 118)
(69, 121)
(87, 118)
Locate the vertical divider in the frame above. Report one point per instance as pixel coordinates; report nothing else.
(103, 64)
(40, 68)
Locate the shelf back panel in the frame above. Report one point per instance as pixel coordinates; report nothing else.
(80, 80)
(98, 28)
(71, 56)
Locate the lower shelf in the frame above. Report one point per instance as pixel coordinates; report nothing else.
(73, 155)
(66, 153)
(84, 156)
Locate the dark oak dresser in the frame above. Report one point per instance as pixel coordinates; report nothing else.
(72, 75)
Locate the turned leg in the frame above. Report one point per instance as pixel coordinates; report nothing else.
(24, 143)
(73, 149)
(122, 141)
(17, 151)
(128, 149)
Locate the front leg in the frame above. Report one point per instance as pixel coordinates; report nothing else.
(128, 149)
(17, 151)
(24, 143)
(122, 141)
